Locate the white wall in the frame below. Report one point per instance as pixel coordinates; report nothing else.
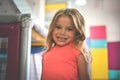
(103, 12)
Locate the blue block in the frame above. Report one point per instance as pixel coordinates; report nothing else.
(88, 42)
(98, 43)
(114, 74)
(37, 49)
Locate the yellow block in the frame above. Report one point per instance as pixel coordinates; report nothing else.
(55, 6)
(99, 66)
(39, 39)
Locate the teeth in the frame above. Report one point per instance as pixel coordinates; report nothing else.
(61, 39)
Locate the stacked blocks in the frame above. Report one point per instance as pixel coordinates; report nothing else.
(114, 60)
(98, 45)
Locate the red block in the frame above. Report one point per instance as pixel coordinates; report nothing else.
(98, 32)
(114, 55)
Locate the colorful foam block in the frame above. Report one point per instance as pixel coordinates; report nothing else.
(54, 6)
(99, 66)
(98, 32)
(37, 49)
(88, 41)
(114, 74)
(98, 43)
(114, 55)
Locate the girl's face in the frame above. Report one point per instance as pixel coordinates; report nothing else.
(64, 31)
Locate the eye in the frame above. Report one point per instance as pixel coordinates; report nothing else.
(69, 29)
(57, 27)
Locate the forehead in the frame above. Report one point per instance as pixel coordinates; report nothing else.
(65, 20)
(64, 16)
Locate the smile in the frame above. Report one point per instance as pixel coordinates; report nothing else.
(62, 39)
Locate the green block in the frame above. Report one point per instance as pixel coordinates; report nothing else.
(98, 43)
(114, 74)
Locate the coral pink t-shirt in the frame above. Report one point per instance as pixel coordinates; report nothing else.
(60, 63)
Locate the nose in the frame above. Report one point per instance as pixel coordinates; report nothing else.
(62, 31)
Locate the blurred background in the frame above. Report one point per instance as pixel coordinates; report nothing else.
(102, 19)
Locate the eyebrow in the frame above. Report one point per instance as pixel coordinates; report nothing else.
(67, 26)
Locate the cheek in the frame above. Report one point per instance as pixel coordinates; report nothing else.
(72, 35)
(54, 33)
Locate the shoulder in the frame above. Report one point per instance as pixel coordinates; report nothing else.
(86, 53)
(43, 53)
(76, 51)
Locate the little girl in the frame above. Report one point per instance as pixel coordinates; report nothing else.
(66, 57)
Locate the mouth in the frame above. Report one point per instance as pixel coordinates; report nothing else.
(62, 39)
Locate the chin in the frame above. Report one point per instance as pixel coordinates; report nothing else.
(60, 44)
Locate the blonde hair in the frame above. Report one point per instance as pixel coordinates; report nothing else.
(79, 24)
